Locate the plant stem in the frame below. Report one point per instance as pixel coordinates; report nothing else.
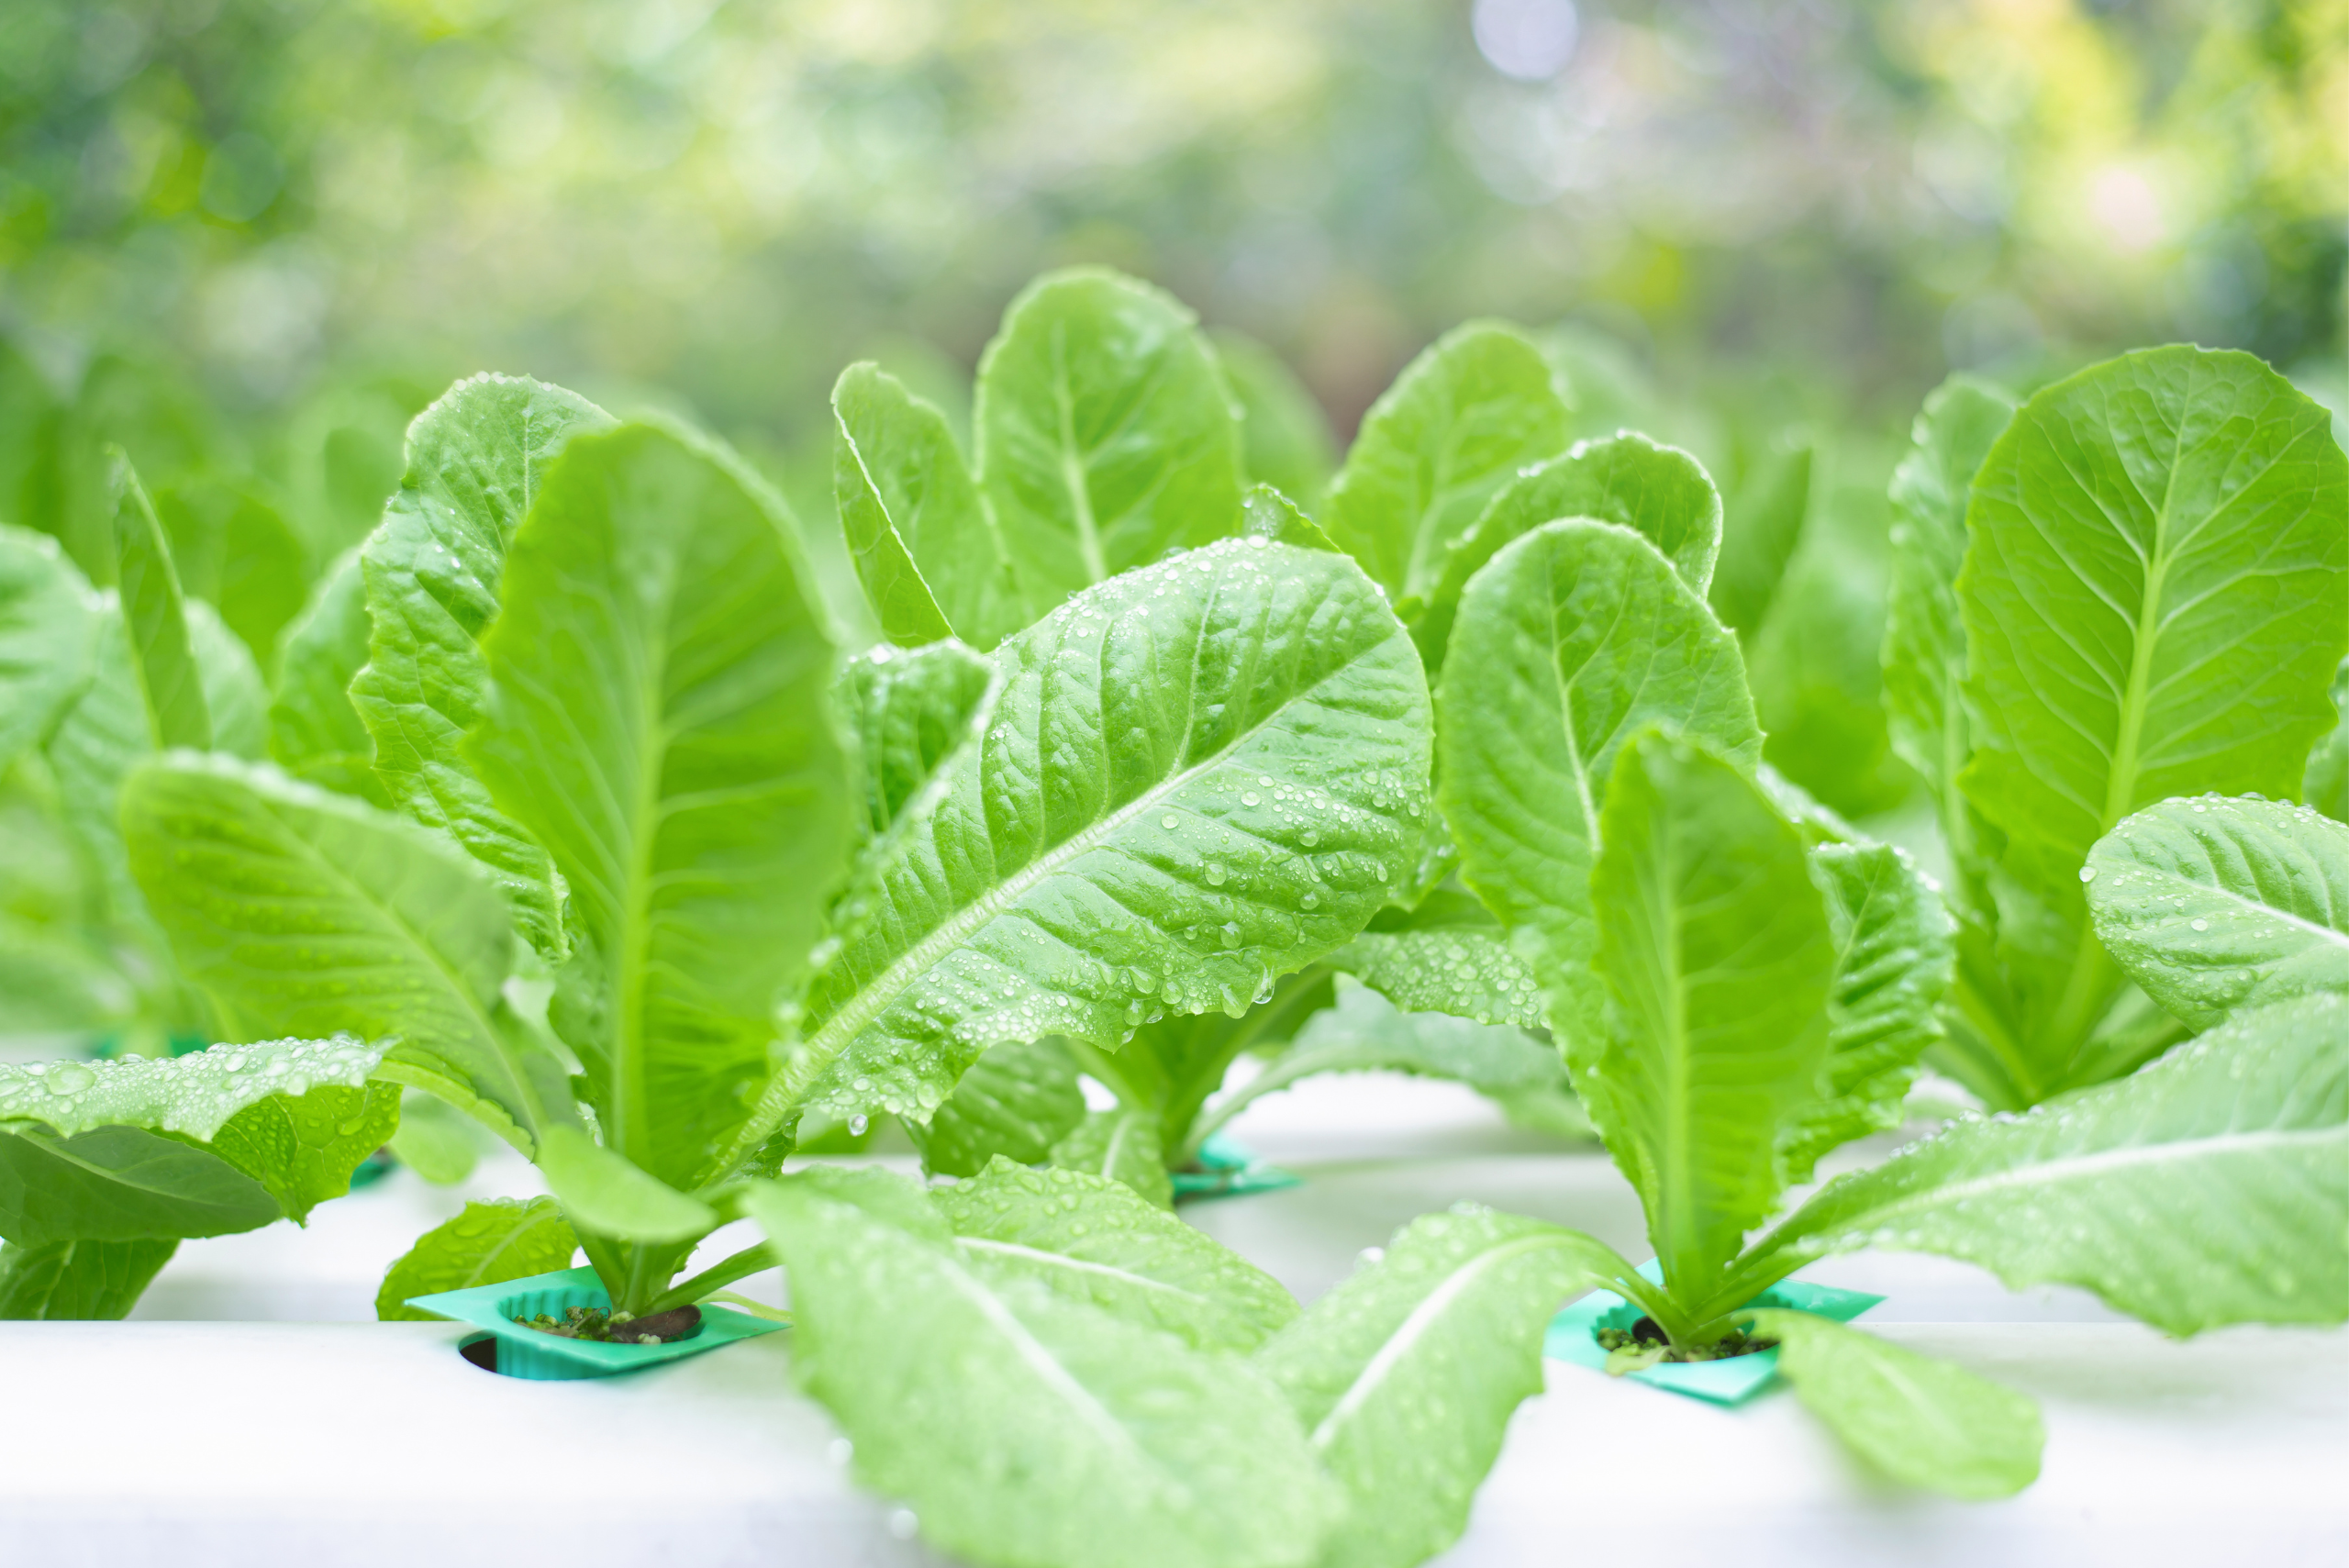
(1103, 1068)
(609, 1263)
(748, 1262)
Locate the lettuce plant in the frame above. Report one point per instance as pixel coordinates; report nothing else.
(1738, 987)
(1721, 995)
(657, 873)
(576, 817)
(2134, 585)
(1108, 430)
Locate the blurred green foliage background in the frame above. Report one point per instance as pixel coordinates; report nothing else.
(248, 239)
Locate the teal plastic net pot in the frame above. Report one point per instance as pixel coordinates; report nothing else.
(1573, 1337)
(1228, 1170)
(525, 1352)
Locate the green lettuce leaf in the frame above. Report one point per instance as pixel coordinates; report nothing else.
(1200, 776)
(215, 1141)
(922, 537)
(1406, 1374)
(1816, 666)
(2215, 904)
(604, 1192)
(1121, 1145)
(1106, 434)
(302, 1148)
(233, 549)
(106, 733)
(315, 733)
(1605, 382)
(2156, 599)
(1924, 642)
(1018, 1099)
(1095, 1241)
(488, 1244)
(193, 1096)
(1716, 951)
(95, 744)
(1912, 1418)
(435, 1139)
(476, 462)
(2325, 783)
(659, 717)
(155, 613)
(909, 713)
(1020, 1423)
(1267, 514)
(1574, 636)
(1456, 426)
(78, 1280)
(303, 913)
(55, 981)
(120, 1184)
(234, 694)
(2207, 1188)
(1447, 955)
(47, 638)
(1893, 956)
(1763, 528)
(1654, 490)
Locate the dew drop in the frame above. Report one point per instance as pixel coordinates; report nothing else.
(2088, 873)
(71, 1078)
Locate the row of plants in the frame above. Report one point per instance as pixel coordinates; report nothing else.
(565, 810)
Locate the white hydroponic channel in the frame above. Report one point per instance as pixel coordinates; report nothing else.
(276, 1422)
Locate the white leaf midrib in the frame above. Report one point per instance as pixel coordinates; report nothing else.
(1076, 1265)
(2066, 1169)
(1413, 1328)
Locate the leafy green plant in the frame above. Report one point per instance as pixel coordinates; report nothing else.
(649, 822)
(2134, 586)
(1738, 991)
(1100, 395)
(577, 814)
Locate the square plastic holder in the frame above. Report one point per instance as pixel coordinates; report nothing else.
(525, 1353)
(1572, 1337)
(1228, 1170)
